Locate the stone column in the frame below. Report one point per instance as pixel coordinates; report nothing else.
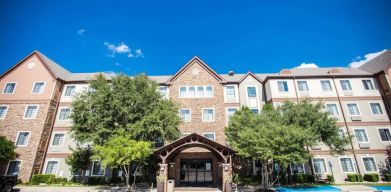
(163, 172)
(227, 176)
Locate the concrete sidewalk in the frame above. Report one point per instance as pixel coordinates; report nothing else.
(22, 188)
(355, 188)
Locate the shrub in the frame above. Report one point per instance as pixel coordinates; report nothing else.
(330, 179)
(42, 178)
(309, 178)
(96, 180)
(387, 177)
(371, 177)
(60, 180)
(355, 178)
(299, 178)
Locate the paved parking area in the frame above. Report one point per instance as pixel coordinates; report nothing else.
(54, 189)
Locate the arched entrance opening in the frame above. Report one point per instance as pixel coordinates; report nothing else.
(195, 161)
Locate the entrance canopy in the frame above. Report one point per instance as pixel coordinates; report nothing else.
(168, 152)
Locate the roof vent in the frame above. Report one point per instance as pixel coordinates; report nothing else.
(231, 73)
(285, 72)
(334, 70)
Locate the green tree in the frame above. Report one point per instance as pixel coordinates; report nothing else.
(121, 151)
(275, 136)
(79, 160)
(123, 103)
(7, 149)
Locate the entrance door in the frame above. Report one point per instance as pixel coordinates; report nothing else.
(196, 172)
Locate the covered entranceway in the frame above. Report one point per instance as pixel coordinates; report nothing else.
(195, 161)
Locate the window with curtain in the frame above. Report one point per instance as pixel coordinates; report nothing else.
(13, 168)
(353, 109)
(368, 85)
(207, 115)
(326, 85)
(319, 165)
(302, 85)
(385, 134)
(38, 87)
(282, 86)
(346, 164)
(369, 164)
(345, 85)
(376, 108)
(332, 109)
(361, 135)
(51, 167)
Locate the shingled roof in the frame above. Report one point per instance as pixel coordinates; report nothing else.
(379, 63)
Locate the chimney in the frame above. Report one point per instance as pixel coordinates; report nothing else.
(231, 73)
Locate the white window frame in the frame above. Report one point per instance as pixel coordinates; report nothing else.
(373, 84)
(6, 111)
(17, 136)
(331, 86)
(43, 87)
(336, 104)
(306, 82)
(186, 96)
(214, 114)
(62, 143)
(179, 111)
(287, 86)
(374, 160)
(381, 107)
(302, 165)
(351, 160)
(212, 133)
(92, 168)
(25, 111)
(213, 91)
(325, 165)
(366, 133)
(227, 109)
(236, 96)
(168, 91)
(5, 85)
(47, 163)
(358, 107)
(59, 113)
(350, 85)
(343, 131)
(8, 166)
(65, 90)
(378, 133)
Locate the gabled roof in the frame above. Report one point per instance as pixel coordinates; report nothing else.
(250, 74)
(203, 65)
(379, 63)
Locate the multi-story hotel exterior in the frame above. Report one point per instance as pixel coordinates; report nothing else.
(36, 95)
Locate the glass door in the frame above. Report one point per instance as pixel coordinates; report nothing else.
(196, 172)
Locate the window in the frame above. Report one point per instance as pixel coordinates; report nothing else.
(302, 85)
(210, 136)
(58, 139)
(31, 112)
(230, 112)
(332, 109)
(97, 168)
(163, 90)
(22, 138)
(38, 87)
(297, 168)
(376, 108)
(369, 164)
(9, 88)
(385, 134)
(230, 92)
(3, 111)
(254, 110)
(346, 164)
(182, 92)
(345, 84)
(200, 92)
(70, 90)
(251, 92)
(13, 167)
(51, 167)
(282, 86)
(319, 166)
(191, 92)
(207, 115)
(361, 135)
(353, 109)
(326, 85)
(341, 133)
(368, 85)
(209, 91)
(185, 114)
(64, 114)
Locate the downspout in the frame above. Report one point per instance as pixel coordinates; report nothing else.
(346, 126)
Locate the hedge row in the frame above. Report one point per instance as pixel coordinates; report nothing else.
(47, 178)
(374, 177)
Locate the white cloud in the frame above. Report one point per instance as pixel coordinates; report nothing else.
(358, 61)
(139, 53)
(307, 65)
(122, 49)
(110, 73)
(81, 31)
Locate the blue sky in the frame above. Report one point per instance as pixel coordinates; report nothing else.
(158, 37)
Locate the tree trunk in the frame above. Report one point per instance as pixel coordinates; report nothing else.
(265, 175)
(134, 176)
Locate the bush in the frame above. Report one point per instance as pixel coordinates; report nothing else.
(299, 178)
(42, 178)
(355, 178)
(371, 177)
(309, 178)
(330, 179)
(387, 177)
(96, 180)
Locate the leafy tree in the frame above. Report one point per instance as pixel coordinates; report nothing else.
(79, 160)
(125, 103)
(7, 149)
(275, 136)
(121, 151)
